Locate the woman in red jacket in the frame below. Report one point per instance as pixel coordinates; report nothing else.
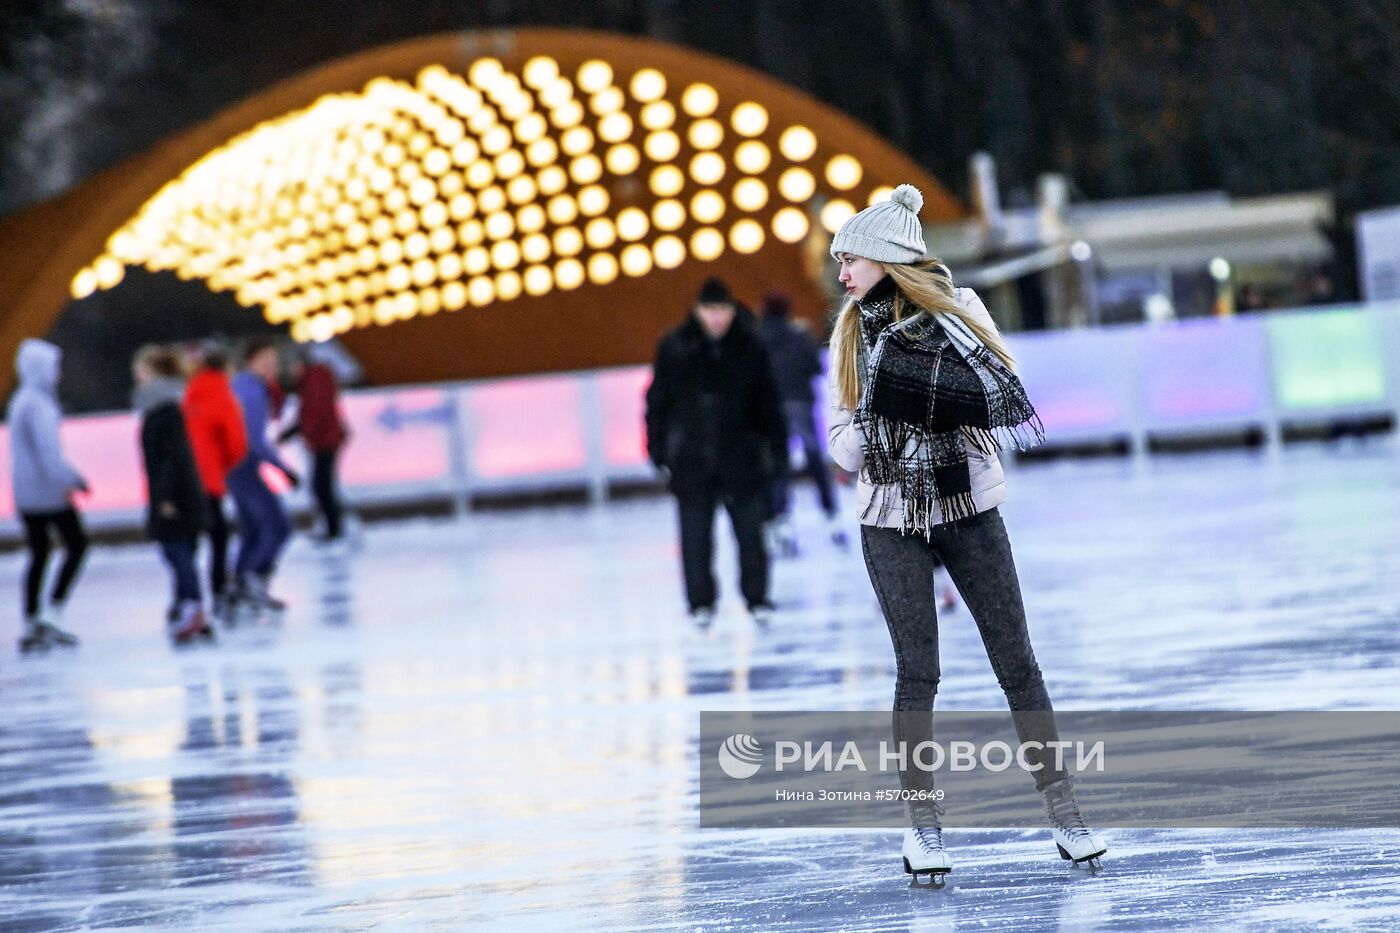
(322, 429)
(215, 425)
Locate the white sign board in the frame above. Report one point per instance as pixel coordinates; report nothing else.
(1378, 254)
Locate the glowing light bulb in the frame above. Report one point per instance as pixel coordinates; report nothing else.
(615, 127)
(752, 157)
(706, 244)
(540, 71)
(699, 100)
(530, 219)
(609, 100)
(843, 172)
(569, 274)
(662, 146)
(592, 201)
(508, 286)
(602, 268)
(521, 190)
(668, 215)
(577, 141)
(567, 114)
(658, 115)
(707, 206)
(632, 224)
(568, 241)
(538, 280)
(600, 233)
(749, 119)
(790, 225)
(509, 164)
(542, 152)
(481, 291)
(750, 194)
(505, 255)
(797, 143)
(882, 193)
(454, 296)
(586, 169)
(797, 184)
(707, 168)
(669, 252)
(623, 159)
(705, 134)
(594, 76)
(562, 209)
(648, 84)
(635, 260)
(535, 247)
(667, 181)
(835, 213)
(552, 180)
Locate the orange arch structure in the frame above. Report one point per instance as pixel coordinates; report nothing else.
(509, 201)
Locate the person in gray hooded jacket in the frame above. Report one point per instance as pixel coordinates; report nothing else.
(44, 483)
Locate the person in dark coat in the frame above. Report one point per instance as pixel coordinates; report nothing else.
(714, 423)
(796, 359)
(175, 496)
(322, 429)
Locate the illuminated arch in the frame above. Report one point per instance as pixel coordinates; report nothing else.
(476, 171)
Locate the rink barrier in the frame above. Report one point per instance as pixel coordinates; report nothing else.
(1131, 383)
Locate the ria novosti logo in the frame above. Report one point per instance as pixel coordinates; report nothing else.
(741, 756)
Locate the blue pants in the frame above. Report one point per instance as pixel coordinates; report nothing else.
(263, 526)
(179, 557)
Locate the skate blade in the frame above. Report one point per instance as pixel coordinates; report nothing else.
(1089, 862)
(936, 878)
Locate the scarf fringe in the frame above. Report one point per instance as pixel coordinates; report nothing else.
(909, 456)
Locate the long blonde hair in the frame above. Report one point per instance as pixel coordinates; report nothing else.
(920, 287)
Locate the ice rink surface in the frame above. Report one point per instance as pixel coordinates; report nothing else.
(490, 723)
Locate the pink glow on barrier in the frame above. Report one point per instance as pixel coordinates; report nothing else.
(1077, 379)
(527, 427)
(7, 493)
(623, 396)
(1069, 410)
(397, 436)
(1204, 369)
(106, 449)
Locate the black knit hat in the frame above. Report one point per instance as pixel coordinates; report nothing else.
(714, 292)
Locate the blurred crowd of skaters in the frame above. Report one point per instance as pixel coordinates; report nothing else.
(211, 419)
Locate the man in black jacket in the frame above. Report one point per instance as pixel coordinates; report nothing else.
(715, 424)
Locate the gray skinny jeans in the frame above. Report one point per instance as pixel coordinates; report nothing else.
(977, 553)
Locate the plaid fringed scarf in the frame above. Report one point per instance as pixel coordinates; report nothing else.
(930, 383)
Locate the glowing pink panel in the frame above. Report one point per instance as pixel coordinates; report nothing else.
(623, 397)
(1204, 370)
(527, 427)
(7, 497)
(399, 436)
(1078, 380)
(106, 449)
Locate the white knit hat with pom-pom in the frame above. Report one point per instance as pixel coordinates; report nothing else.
(886, 232)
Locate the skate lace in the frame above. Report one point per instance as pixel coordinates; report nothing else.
(930, 836)
(1064, 812)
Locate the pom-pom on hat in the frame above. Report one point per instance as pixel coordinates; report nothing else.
(886, 232)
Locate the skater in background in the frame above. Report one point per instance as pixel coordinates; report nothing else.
(263, 524)
(795, 357)
(43, 483)
(924, 393)
(214, 422)
(322, 429)
(715, 424)
(175, 497)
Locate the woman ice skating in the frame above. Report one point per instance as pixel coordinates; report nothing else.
(44, 483)
(175, 498)
(215, 425)
(924, 393)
